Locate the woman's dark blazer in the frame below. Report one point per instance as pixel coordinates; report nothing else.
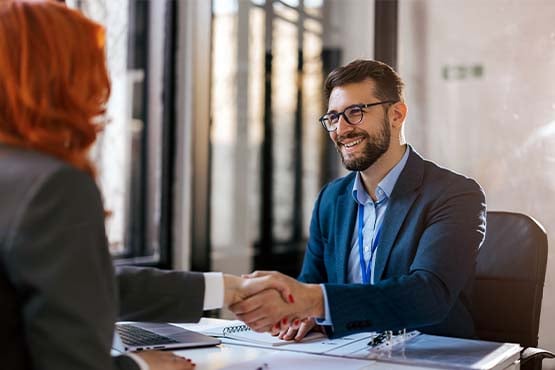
(58, 291)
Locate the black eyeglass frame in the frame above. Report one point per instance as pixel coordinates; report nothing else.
(361, 106)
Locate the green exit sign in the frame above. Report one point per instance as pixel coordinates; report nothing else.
(462, 72)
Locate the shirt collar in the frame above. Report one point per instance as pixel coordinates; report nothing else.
(385, 187)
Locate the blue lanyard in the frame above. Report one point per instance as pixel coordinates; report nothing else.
(366, 270)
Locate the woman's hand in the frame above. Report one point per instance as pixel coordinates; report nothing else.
(297, 330)
(160, 360)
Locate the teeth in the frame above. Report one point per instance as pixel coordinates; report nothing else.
(352, 144)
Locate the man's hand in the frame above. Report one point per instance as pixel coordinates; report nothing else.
(266, 312)
(237, 289)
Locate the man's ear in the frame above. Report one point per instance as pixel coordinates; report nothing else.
(397, 114)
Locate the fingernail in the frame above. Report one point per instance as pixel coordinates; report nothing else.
(296, 322)
(291, 299)
(284, 320)
(276, 326)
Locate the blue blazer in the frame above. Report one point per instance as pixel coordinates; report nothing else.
(434, 225)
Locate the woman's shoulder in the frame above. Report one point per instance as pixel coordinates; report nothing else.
(34, 182)
(23, 169)
(22, 162)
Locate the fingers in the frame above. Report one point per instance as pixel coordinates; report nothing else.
(158, 360)
(256, 284)
(260, 312)
(257, 273)
(250, 304)
(288, 333)
(263, 325)
(297, 330)
(304, 329)
(236, 289)
(276, 329)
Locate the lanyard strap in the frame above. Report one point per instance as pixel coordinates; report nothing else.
(366, 270)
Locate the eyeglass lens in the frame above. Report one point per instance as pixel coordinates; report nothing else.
(353, 115)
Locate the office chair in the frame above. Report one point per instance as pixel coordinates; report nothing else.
(508, 286)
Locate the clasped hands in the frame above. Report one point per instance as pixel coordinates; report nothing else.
(268, 301)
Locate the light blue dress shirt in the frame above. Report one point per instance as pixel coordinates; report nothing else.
(373, 217)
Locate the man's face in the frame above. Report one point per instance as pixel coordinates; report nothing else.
(360, 145)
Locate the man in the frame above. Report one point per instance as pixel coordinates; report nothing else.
(393, 244)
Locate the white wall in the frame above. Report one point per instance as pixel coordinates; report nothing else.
(351, 27)
(498, 127)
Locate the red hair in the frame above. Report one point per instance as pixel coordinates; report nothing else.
(54, 84)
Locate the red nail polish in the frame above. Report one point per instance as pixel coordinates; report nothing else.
(284, 320)
(276, 326)
(296, 322)
(291, 299)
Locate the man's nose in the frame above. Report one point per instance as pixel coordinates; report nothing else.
(342, 125)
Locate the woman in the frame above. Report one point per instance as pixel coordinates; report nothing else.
(57, 291)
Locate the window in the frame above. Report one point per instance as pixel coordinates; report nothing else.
(133, 153)
(266, 143)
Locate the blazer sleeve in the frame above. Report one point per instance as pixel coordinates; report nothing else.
(148, 294)
(59, 263)
(313, 269)
(443, 263)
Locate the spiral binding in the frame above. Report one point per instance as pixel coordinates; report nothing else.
(235, 329)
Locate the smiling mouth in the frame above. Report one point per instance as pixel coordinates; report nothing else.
(353, 143)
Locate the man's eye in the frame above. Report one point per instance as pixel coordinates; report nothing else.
(354, 111)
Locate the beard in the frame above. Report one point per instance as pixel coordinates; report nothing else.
(374, 147)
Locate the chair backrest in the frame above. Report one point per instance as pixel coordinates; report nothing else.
(510, 274)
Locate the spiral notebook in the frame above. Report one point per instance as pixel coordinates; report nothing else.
(237, 330)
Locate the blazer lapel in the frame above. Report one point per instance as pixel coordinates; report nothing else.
(345, 217)
(403, 196)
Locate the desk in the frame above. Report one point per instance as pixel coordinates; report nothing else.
(225, 355)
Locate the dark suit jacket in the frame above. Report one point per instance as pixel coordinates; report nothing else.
(434, 224)
(57, 288)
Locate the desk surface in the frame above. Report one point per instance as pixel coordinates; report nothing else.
(227, 355)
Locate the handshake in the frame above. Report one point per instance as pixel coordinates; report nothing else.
(272, 302)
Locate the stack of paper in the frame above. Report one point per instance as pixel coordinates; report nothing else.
(446, 352)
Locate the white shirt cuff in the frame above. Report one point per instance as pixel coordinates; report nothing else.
(327, 319)
(142, 363)
(213, 290)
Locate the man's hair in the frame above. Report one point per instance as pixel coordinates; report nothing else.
(53, 79)
(389, 85)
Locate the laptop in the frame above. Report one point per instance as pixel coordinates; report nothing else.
(141, 336)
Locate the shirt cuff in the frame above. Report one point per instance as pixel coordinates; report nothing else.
(213, 290)
(138, 360)
(327, 317)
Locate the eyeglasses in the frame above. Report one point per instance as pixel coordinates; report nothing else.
(353, 114)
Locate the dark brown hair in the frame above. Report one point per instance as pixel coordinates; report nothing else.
(389, 85)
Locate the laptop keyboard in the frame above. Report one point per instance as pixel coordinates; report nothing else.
(134, 336)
